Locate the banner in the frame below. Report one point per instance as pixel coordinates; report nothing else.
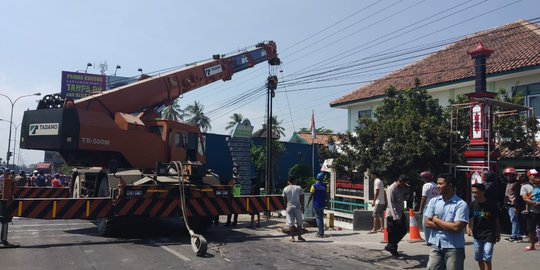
(78, 85)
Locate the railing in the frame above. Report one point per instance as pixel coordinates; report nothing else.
(347, 207)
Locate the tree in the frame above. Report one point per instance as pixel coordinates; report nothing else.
(277, 129)
(197, 116)
(408, 133)
(173, 112)
(258, 158)
(235, 118)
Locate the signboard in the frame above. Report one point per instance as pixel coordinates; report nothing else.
(476, 121)
(350, 187)
(78, 85)
(239, 145)
(43, 129)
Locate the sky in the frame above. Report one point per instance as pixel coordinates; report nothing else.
(328, 49)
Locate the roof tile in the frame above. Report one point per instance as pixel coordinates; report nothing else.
(516, 45)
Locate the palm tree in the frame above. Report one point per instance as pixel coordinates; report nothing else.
(235, 118)
(173, 112)
(197, 117)
(277, 129)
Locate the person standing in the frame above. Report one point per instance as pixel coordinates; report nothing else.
(510, 199)
(55, 183)
(396, 222)
(232, 183)
(41, 181)
(446, 216)
(255, 190)
(20, 179)
(429, 191)
(1, 182)
(291, 194)
(318, 195)
(533, 218)
(378, 204)
(483, 226)
(525, 191)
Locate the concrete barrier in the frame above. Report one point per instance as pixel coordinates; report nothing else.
(363, 220)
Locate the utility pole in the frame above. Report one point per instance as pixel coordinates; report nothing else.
(271, 86)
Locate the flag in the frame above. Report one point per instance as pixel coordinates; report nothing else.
(312, 127)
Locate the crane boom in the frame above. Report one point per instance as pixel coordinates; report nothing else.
(165, 88)
(95, 130)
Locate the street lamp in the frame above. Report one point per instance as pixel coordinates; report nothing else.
(14, 139)
(8, 155)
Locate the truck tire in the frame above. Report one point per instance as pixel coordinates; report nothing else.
(104, 225)
(76, 193)
(200, 224)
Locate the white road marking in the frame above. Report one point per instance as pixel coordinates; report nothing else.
(49, 224)
(175, 253)
(37, 230)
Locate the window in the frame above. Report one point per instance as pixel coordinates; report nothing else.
(532, 96)
(362, 114)
(179, 140)
(534, 101)
(156, 130)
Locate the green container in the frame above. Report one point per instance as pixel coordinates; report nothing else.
(236, 190)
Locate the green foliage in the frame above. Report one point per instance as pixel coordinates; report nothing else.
(197, 116)
(173, 112)
(277, 129)
(514, 132)
(65, 169)
(258, 157)
(303, 175)
(235, 118)
(409, 133)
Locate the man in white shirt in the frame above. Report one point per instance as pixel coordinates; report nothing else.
(291, 194)
(429, 191)
(378, 204)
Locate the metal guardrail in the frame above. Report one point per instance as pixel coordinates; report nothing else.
(347, 207)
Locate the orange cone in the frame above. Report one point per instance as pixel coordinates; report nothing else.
(385, 233)
(414, 233)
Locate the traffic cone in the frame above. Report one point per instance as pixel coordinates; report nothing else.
(414, 233)
(385, 232)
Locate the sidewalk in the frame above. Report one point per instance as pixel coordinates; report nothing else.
(506, 255)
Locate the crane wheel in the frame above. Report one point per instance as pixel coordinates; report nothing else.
(104, 225)
(199, 244)
(76, 193)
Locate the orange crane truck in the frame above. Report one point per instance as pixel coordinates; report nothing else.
(130, 162)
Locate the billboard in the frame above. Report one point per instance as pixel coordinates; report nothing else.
(349, 187)
(78, 85)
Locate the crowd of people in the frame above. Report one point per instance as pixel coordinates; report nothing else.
(35, 179)
(446, 217)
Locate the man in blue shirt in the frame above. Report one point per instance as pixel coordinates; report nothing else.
(318, 195)
(447, 215)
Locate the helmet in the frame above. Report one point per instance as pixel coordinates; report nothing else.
(426, 174)
(509, 170)
(57, 175)
(532, 172)
(320, 176)
(35, 171)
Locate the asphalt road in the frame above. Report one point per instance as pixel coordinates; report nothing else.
(75, 244)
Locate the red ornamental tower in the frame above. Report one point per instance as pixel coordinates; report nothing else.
(480, 154)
